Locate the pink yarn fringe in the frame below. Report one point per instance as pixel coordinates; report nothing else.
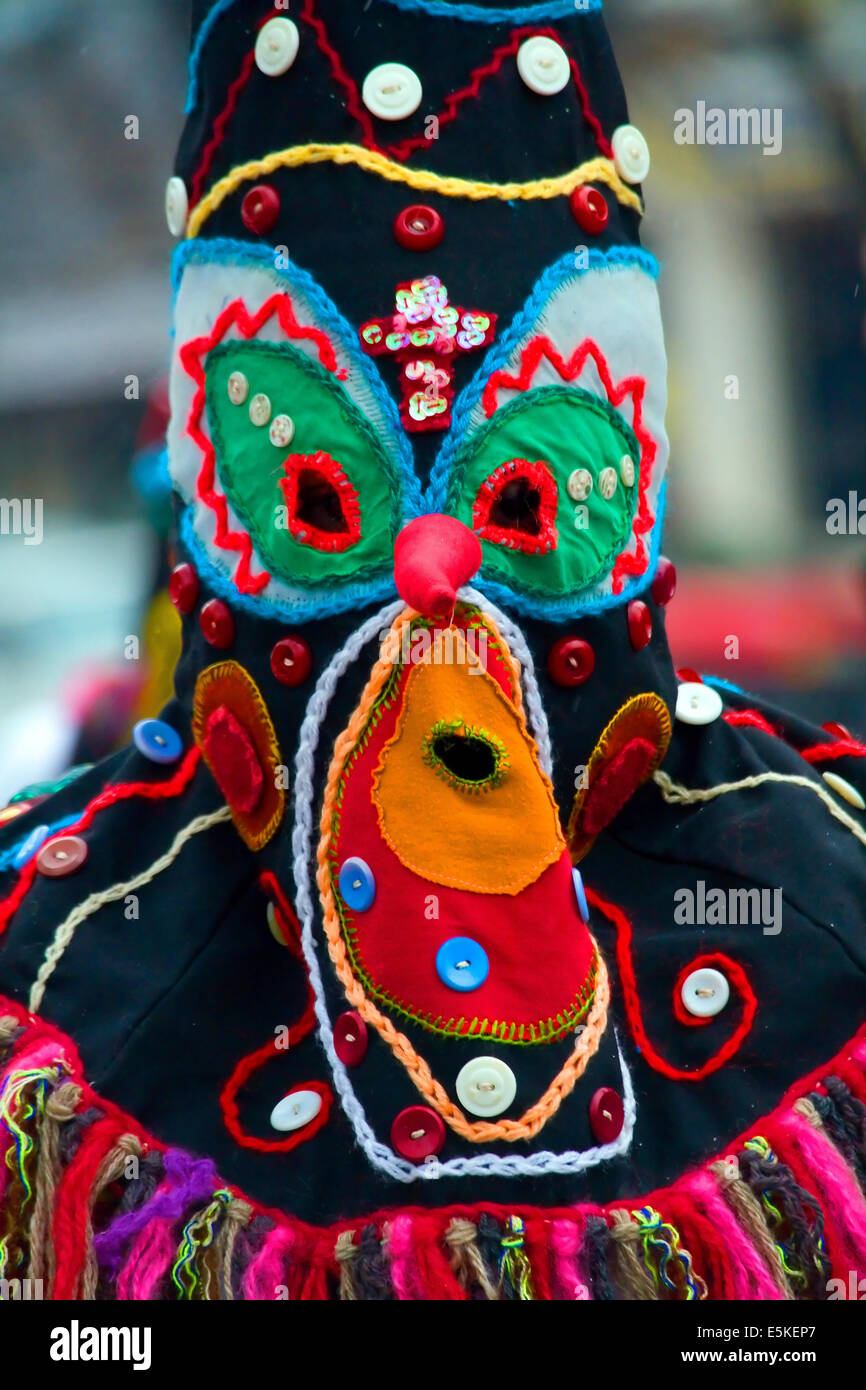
(267, 1272)
(565, 1241)
(403, 1274)
(149, 1261)
(839, 1192)
(750, 1275)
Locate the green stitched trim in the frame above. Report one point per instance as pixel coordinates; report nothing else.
(569, 428)
(326, 418)
(458, 728)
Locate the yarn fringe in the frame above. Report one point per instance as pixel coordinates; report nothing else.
(91, 1207)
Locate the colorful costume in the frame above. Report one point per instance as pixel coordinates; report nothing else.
(437, 941)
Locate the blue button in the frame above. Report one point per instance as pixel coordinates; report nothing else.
(580, 894)
(157, 740)
(357, 885)
(37, 837)
(462, 964)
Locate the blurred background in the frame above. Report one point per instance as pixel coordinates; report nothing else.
(763, 295)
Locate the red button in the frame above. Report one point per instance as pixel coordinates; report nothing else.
(606, 1115)
(589, 209)
(685, 674)
(418, 1132)
(640, 624)
(61, 856)
(570, 661)
(217, 623)
(260, 209)
(291, 660)
(664, 586)
(350, 1038)
(419, 228)
(183, 587)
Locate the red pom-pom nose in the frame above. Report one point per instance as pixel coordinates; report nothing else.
(433, 556)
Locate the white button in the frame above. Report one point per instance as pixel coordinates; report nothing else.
(626, 470)
(579, 484)
(238, 387)
(296, 1110)
(845, 790)
(391, 91)
(282, 430)
(486, 1086)
(260, 409)
(698, 704)
(543, 65)
(276, 47)
(705, 993)
(631, 156)
(607, 483)
(176, 205)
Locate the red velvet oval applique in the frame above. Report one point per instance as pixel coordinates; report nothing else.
(233, 729)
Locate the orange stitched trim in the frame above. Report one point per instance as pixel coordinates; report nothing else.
(533, 1119)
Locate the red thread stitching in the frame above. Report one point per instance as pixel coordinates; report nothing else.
(119, 792)
(736, 975)
(219, 126)
(286, 917)
(750, 719)
(250, 1064)
(635, 386)
(454, 100)
(191, 354)
(355, 107)
(845, 748)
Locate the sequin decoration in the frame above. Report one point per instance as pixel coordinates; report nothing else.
(426, 334)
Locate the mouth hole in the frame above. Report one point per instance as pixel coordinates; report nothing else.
(470, 759)
(318, 503)
(516, 507)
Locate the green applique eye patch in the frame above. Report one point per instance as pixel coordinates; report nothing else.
(550, 486)
(300, 464)
(470, 759)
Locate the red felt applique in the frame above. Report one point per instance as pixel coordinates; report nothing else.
(233, 760)
(628, 752)
(322, 505)
(540, 348)
(516, 507)
(192, 355)
(232, 726)
(616, 784)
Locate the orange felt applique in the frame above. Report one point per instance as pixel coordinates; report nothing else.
(493, 834)
(233, 729)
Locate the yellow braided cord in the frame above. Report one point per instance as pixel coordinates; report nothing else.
(597, 170)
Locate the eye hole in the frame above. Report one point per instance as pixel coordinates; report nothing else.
(321, 504)
(469, 758)
(516, 507)
(318, 502)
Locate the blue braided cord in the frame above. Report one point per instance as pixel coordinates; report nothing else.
(721, 684)
(8, 855)
(201, 39)
(571, 605)
(525, 14)
(318, 604)
(225, 249)
(618, 257)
